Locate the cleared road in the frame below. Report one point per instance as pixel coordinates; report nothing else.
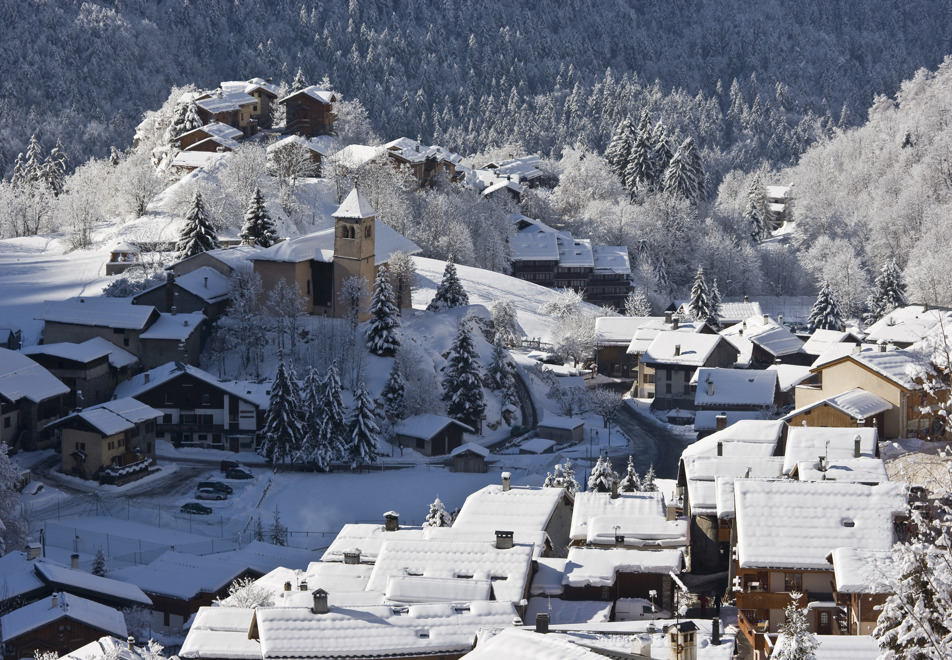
(649, 444)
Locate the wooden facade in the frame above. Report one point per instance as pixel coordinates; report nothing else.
(308, 115)
(62, 636)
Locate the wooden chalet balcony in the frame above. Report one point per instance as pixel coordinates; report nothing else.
(767, 600)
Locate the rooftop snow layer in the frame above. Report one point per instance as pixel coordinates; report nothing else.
(734, 387)
(534, 246)
(618, 330)
(183, 576)
(706, 420)
(807, 443)
(907, 325)
(575, 252)
(426, 426)
(858, 404)
(590, 504)
(72, 579)
(206, 283)
(319, 246)
(254, 393)
(674, 347)
(177, 327)
(866, 470)
(859, 571)
(355, 206)
(221, 632)
(596, 567)
(517, 510)
(38, 614)
(748, 437)
(21, 377)
(796, 524)
(86, 351)
(100, 312)
(611, 260)
(114, 416)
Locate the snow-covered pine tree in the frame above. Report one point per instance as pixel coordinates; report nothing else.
(197, 235)
(28, 170)
(826, 314)
(563, 477)
(500, 377)
(637, 304)
(450, 292)
(660, 154)
(99, 563)
(462, 385)
(795, 642)
(299, 81)
(505, 322)
(662, 283)
(13, 527)
(648, 484)
(278, 534)
(258, 228)
(184, 119)
(700, 303)
(334, 424)
(384, 317)
(438, 515)
(602, 475)
(393, 394)
(362, 430)
(680, 177)
(639, 171)
(716, 306)
(54, 169)
(312, 451)
(692, 159)
(257, 532)
(283, 431)
(756, 213)
(619, 147)
(631, 482)
(889, 292)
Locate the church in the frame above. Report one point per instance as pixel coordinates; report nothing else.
(319, 263)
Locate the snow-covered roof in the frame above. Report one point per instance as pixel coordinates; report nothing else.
(766, 333)
(525, 167)
(859, 571)
(229, 99)
(796, 524)
(655, 325)
(729, 311)
(638, 531)
(356, 206)
(99, 312)
(568, 611)
(748, 437)
(500, 184)
(597, 567)
(415, 630)
(196, 159)
(611, 259)
(864, 470)
(76, 580)
(114, 416)
(857, 403)
(470, 446)
(319, 246)
(315, 92)
(249, 86)
(536, 445)
(894, 365)
(680, 348)
(264, 557)
(559, 422)
(221, 632)
(217, 130)
(844, 647)
(907, 325)
(517, 509)
(807, 443)
(423, 589)
(706, 420)
(21, 377)
(414, 151)
(789, 375)
(368, 538)
(151, 379)
(592, 504)
(84, 352)
(575, 252)
(178, 327)
(233, 257)
(184, 576)
(822, 340)
(354, 156)
(508, 568)
(617, 330)
(17, 575)
(426, 426)
(109, 647)
(547, 579)
(706, 475)
(525, 645)
(534, 246)
(206, 283)
(38, 614)
(322, 144)
(734, 387)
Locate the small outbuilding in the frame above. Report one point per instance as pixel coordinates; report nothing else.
(469, 457)
(564, 430)
(121, 258)
(431, 435)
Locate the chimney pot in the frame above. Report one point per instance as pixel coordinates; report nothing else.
(766, 319)
(715, 631)
(542, 623)
(503, 539)
(131, 641)
(391, 521)
(303, 586)
(675, 322)
(173, 310)
(206, 282)
(619, 540)
(822, 464)
(185, 323)
(287, 586)
(352, 557)
(506, 481)
(720, 423)
(614, 489)
(74, 561)
(54, 602)
(857, 446)
(147, 378)
(677, 350)
(320, 605)
(720, 445)
(746, 299)
(882, 348)
(667, 317)
(780, 319)
(32, 551)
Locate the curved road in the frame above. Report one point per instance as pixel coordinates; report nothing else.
(649, 444)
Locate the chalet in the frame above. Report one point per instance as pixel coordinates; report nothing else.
(122, 257)
(721, 389)
(10, 336)
(882, 373)
(763, 342)
(102, 590)
(675, 356)
(778, 553)
(214, 133)
(60, 624)
(225, 260)
(204, 290)
(637, 520)
(91, 369)
(646, 333)
(229, 106)
(861, 584)
(821, 341)
(431, 435)
(907, 325)
(469, 457)
(198, 409)
(779, 205)
(264, 92)
(828, 445)
(113, 441)
(424, 161)
(730, 312)
(30, 398)
(613, 335)
(188, 161)
(612, 573)
(310, 111)
(526, 170)
(320, 262)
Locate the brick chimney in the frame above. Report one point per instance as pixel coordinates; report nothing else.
(391, 521)
(320, 605)
(352, 556)
(506, 481)
(720, 423)
(503, 539)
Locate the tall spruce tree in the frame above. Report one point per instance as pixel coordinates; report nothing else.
(184, 119)
(826, 314)
(258, 228)
(450, 292)
(715, 320)
(756, 213)
(660, 154)
(500, 377)
(631, 482)
(680, 178)
(312, 450)
(394, 395)
(619, 147)
(795, 642)
(334, 423)
(283, 430)
(639, 171)
(362, 430)
(889, 292)
(384, 317)
(701, 306)
(602, 475)
(197, 235)
(462, 386)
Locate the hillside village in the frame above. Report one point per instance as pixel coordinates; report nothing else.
(609, 473)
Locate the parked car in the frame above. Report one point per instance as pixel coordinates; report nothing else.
(239, 473)
(216, 485)
(228, 464)
(196, 508)
(210, 494)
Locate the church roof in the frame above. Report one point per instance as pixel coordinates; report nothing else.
(355, 206)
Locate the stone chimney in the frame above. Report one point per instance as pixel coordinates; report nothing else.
(720, 423)
(131, 641)
(857, 349)
(667, 317)
(391, 521)
(54, 602)
(32, 551)
(506, 481)
(542, 623)
(74, 561)
(352, 557)
(303, 585)
(766, 319)
(710, 386)
(715, 632)
(677, 350)
(821, 465)
(675, 322)
(882, 347)
(619, 540)
(614, 489)
(720, 445)
(320, 605)
(857, 446)
(287, 586)
(746, 299)
(503, 539)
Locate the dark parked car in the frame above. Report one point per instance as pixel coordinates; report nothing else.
(227, 465)
(216, 485)
(239, 473)
(196, 508)
(210, 494)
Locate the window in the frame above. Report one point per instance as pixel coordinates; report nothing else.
(167, 419)
(667, 388)
(6, 422)
(367, 231)
(206, 399)
(667, 375)
(792, 582)
(125, 341)
(81, 446)
(420, 443)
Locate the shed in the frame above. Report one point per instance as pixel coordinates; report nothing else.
(564, 430)
(469, 457)
(431, 435)
(122, 257)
